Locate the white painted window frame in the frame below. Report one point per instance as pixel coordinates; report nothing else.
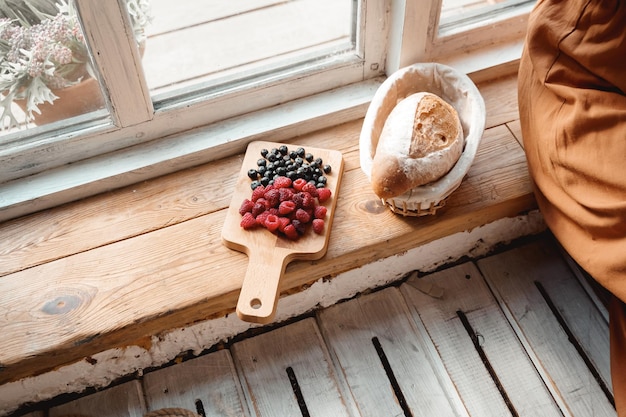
(61, 163)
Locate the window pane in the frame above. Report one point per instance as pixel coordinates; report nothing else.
(45, 69)
(464, 12)
(213, 42)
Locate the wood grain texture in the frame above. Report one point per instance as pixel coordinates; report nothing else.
(500, 100)
(264, 362)
(121, 400)
(106, 271)
(514, 276)
(210, 379)
(516, 129)
(349, 330)
(464, 291)
(141, 208)
(399, 351)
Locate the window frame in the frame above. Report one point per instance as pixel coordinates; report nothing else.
(61, 162)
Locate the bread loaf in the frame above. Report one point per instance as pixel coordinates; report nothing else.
(420, 142)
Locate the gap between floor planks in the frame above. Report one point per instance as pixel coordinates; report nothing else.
(515, 333)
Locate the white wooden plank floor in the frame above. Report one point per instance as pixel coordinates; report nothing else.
(517, 333)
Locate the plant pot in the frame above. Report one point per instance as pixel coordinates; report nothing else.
(75, 100)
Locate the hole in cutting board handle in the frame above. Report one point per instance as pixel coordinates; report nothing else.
(255, 303)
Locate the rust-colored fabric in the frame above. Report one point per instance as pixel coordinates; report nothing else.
(572, 103)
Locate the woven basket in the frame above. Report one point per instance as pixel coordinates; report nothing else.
(454, 87)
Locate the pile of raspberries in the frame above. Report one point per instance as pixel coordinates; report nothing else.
(286, 207)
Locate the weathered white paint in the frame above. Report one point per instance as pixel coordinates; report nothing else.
(105, 367)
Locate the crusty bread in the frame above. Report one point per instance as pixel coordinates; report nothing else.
(420, 142)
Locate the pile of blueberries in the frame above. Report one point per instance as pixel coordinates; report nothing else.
(292, 164)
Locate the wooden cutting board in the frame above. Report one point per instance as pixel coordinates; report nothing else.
(268, 253)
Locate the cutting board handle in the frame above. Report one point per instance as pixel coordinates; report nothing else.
(259, 293)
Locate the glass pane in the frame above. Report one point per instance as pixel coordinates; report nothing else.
(211, 42)
(461, 12)
(45, 69)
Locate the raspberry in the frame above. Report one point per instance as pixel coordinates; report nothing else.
(307, 200)
(246, 207)
(299, 183)
(291, 232)
(286, 207)
(300, 227)
(260, 219)
(298, 199)
(257, 193)
(318, 226)
(323, 194)
(258, 209)
(264, 202)
(320, 212)
(303, 216)
(273, 198)
(282, 182)
(286, 194)
(310, 188)
(248, 221)
(271, 222)
(284, 221)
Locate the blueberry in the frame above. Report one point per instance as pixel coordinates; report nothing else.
(261, 162)
(327, 169)
(264, 152)
(253, 174)
(283, 150)
(255, 184)
(300, 152)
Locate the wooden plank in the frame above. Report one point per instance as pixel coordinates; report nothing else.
(175, 198)
(210, 379)
(141, 208)
(34, 414)
(513, 275)
(501, 108)
(586, 318)
(494, 379)
(499, 156)
(163, 270)
(358, 331)
(121, 400)
(269, 362)
(516, 129)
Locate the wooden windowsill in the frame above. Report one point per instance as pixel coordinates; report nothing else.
(114, 269)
